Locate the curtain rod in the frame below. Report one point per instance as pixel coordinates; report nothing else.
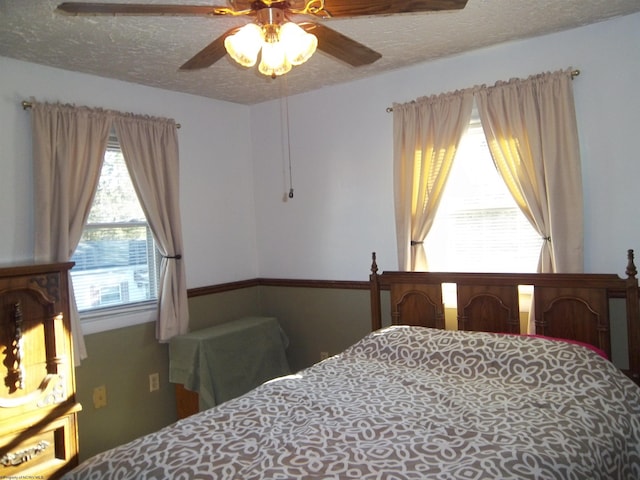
(27, 105)
(574, 74)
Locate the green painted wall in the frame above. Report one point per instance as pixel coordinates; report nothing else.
(122, 360)
(208, 310)
(317, 319)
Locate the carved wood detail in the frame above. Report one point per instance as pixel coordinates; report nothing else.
(490, 313)
(48, 283)
(15, 370)
(417, 305)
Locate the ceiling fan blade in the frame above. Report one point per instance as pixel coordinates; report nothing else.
(352, 8)
(209, 54)
(340, 46)
(85, 8)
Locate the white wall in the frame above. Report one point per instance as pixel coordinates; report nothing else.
(341, 150)
(215, 170)
(236, 222)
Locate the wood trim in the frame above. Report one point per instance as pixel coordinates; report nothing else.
(339, 284)
(277, 282)
(221, 287)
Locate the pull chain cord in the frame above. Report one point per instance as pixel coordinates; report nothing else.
(284, 110)
(289, 150)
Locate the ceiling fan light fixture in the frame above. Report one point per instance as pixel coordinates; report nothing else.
(273, 61)
(283, 43)
(299, 45)
(244, 45)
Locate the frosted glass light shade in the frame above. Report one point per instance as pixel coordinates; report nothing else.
(274, 59)
(283, 44)
(244, 45)
(299, 45)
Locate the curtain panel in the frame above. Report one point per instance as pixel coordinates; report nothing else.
(150, 150)
(69, 143)
(68, 150)
(532, 134)
(426, 134)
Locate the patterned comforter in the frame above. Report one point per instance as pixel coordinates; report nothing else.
(409, 403)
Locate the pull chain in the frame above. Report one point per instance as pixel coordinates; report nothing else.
(284, 106)
(289, 150)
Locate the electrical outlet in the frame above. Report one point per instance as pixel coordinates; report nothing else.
(324, 355)
(154, 382)
(100, 397)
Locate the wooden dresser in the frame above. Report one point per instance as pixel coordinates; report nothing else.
(38, 408)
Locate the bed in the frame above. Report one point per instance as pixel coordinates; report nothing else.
(414, 401)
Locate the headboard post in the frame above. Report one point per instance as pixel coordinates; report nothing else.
(633, 318)
(374, 285)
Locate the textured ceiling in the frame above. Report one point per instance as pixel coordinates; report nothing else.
(149, 50)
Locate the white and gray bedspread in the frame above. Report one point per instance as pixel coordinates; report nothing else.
(409, 403)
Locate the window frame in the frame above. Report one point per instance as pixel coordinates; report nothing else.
(474, 128)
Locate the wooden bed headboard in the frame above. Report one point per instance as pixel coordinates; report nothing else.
(572, 306)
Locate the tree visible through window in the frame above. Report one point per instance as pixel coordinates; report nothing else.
(478, 226)
(116, 262)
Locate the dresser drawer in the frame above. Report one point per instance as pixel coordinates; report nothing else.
(45, 452)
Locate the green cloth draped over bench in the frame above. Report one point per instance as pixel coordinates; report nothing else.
(229, 359)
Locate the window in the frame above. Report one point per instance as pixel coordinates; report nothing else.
(117, 263)
(478, 226)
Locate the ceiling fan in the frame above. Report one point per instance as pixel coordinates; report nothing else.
(283, 42)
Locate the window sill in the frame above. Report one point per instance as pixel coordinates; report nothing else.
(114, 318)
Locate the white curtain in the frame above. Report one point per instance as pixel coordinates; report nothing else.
(68, 150)
(150, 149)
(426, 134)
(531, 131)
